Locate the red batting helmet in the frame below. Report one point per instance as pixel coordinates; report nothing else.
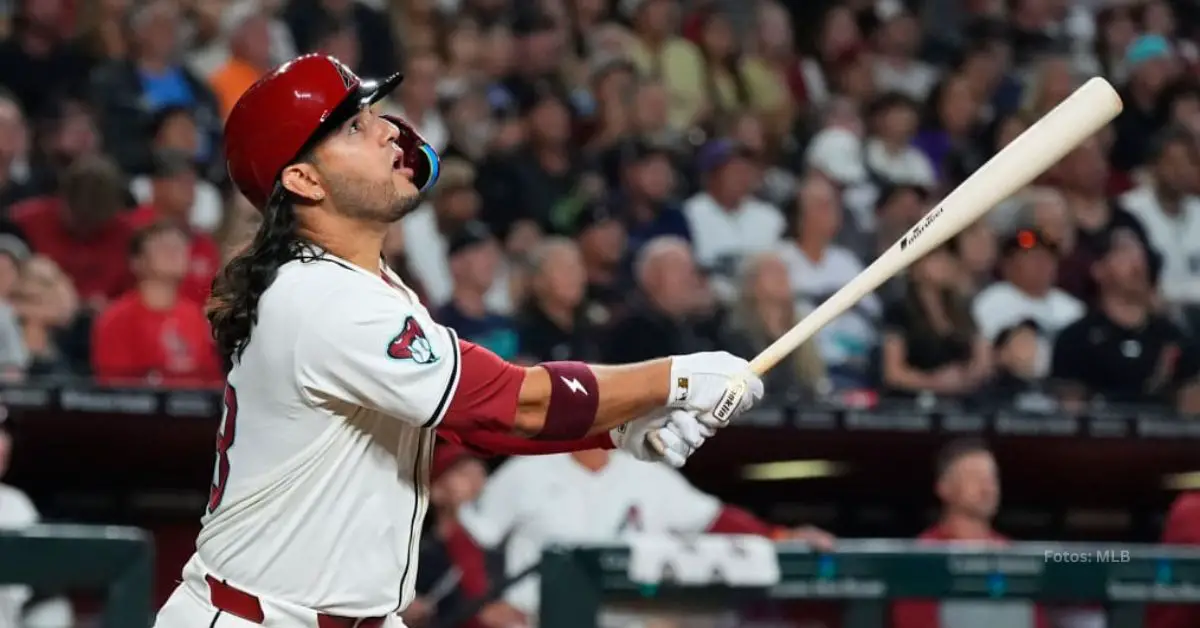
(286, 112)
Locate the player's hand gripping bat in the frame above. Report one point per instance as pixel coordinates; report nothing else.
(1078, 117)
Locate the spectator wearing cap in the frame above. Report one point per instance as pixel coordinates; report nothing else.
(1122, 350)
(247, 27)
(816, 268)
(930, 344)
(602, 240)
(646, 191)
(968, 487)
(427, 232)
(670, 291)
(555, 323)
(662, 55)
(172, 196)
(889, 153)
(14, 151)
(370, 28)
(128, 92)
(453, 571)
(174, 131)
(473, 255)
(416, 100)
(1167, 205)
(1026, 291)
(726, 221)
(1151, 63)
(897, 38)
(152, 335)
(85, 230)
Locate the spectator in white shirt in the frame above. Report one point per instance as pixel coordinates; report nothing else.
(890, 154)
(725, 220)
(896, 66)
(817, 268)
(1029, 265)
(1167, 207)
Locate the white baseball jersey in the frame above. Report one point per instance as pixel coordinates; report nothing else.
(322, 470)
(535, 501)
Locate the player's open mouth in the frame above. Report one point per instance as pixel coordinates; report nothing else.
(398, 165)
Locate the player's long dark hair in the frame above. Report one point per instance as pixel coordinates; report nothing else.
(233, 307)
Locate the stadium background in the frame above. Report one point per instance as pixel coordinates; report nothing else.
(629, 179)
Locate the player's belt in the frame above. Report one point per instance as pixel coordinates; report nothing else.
(248, 607)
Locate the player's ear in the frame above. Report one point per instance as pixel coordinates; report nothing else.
(304, 181)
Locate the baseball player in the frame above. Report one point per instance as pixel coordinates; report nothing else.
(338, 377)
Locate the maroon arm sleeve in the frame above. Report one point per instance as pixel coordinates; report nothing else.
(733, 520)
(484, 407)
(487, 393)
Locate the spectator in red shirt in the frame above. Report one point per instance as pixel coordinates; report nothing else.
(172, 193)
(84, 230)
(1182, 528)
(969, 488)
(152, 334)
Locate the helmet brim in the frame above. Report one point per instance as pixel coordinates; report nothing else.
(365, 94)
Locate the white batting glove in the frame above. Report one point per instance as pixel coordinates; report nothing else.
(669, 436)
(716, 384)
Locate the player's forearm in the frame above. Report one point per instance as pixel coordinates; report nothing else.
(612, 396)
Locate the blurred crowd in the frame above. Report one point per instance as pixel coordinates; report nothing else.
(631, 179)
(626, 179)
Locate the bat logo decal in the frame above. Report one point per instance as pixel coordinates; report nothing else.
(920, 228)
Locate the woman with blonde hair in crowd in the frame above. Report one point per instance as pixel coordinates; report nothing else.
(1052, 80)
(764, 311)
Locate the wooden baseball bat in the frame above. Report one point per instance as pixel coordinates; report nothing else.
(1081, 115)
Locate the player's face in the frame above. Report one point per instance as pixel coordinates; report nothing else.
(362, 170)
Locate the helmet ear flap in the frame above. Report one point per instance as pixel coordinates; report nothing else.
(419, 156)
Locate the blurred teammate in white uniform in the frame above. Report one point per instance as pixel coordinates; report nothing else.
(338, 376)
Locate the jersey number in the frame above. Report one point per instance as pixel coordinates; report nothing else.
(224, 441)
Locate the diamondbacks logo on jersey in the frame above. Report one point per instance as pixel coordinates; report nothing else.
(412, 344)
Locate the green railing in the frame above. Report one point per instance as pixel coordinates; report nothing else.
(118, 561)
(575, 582)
